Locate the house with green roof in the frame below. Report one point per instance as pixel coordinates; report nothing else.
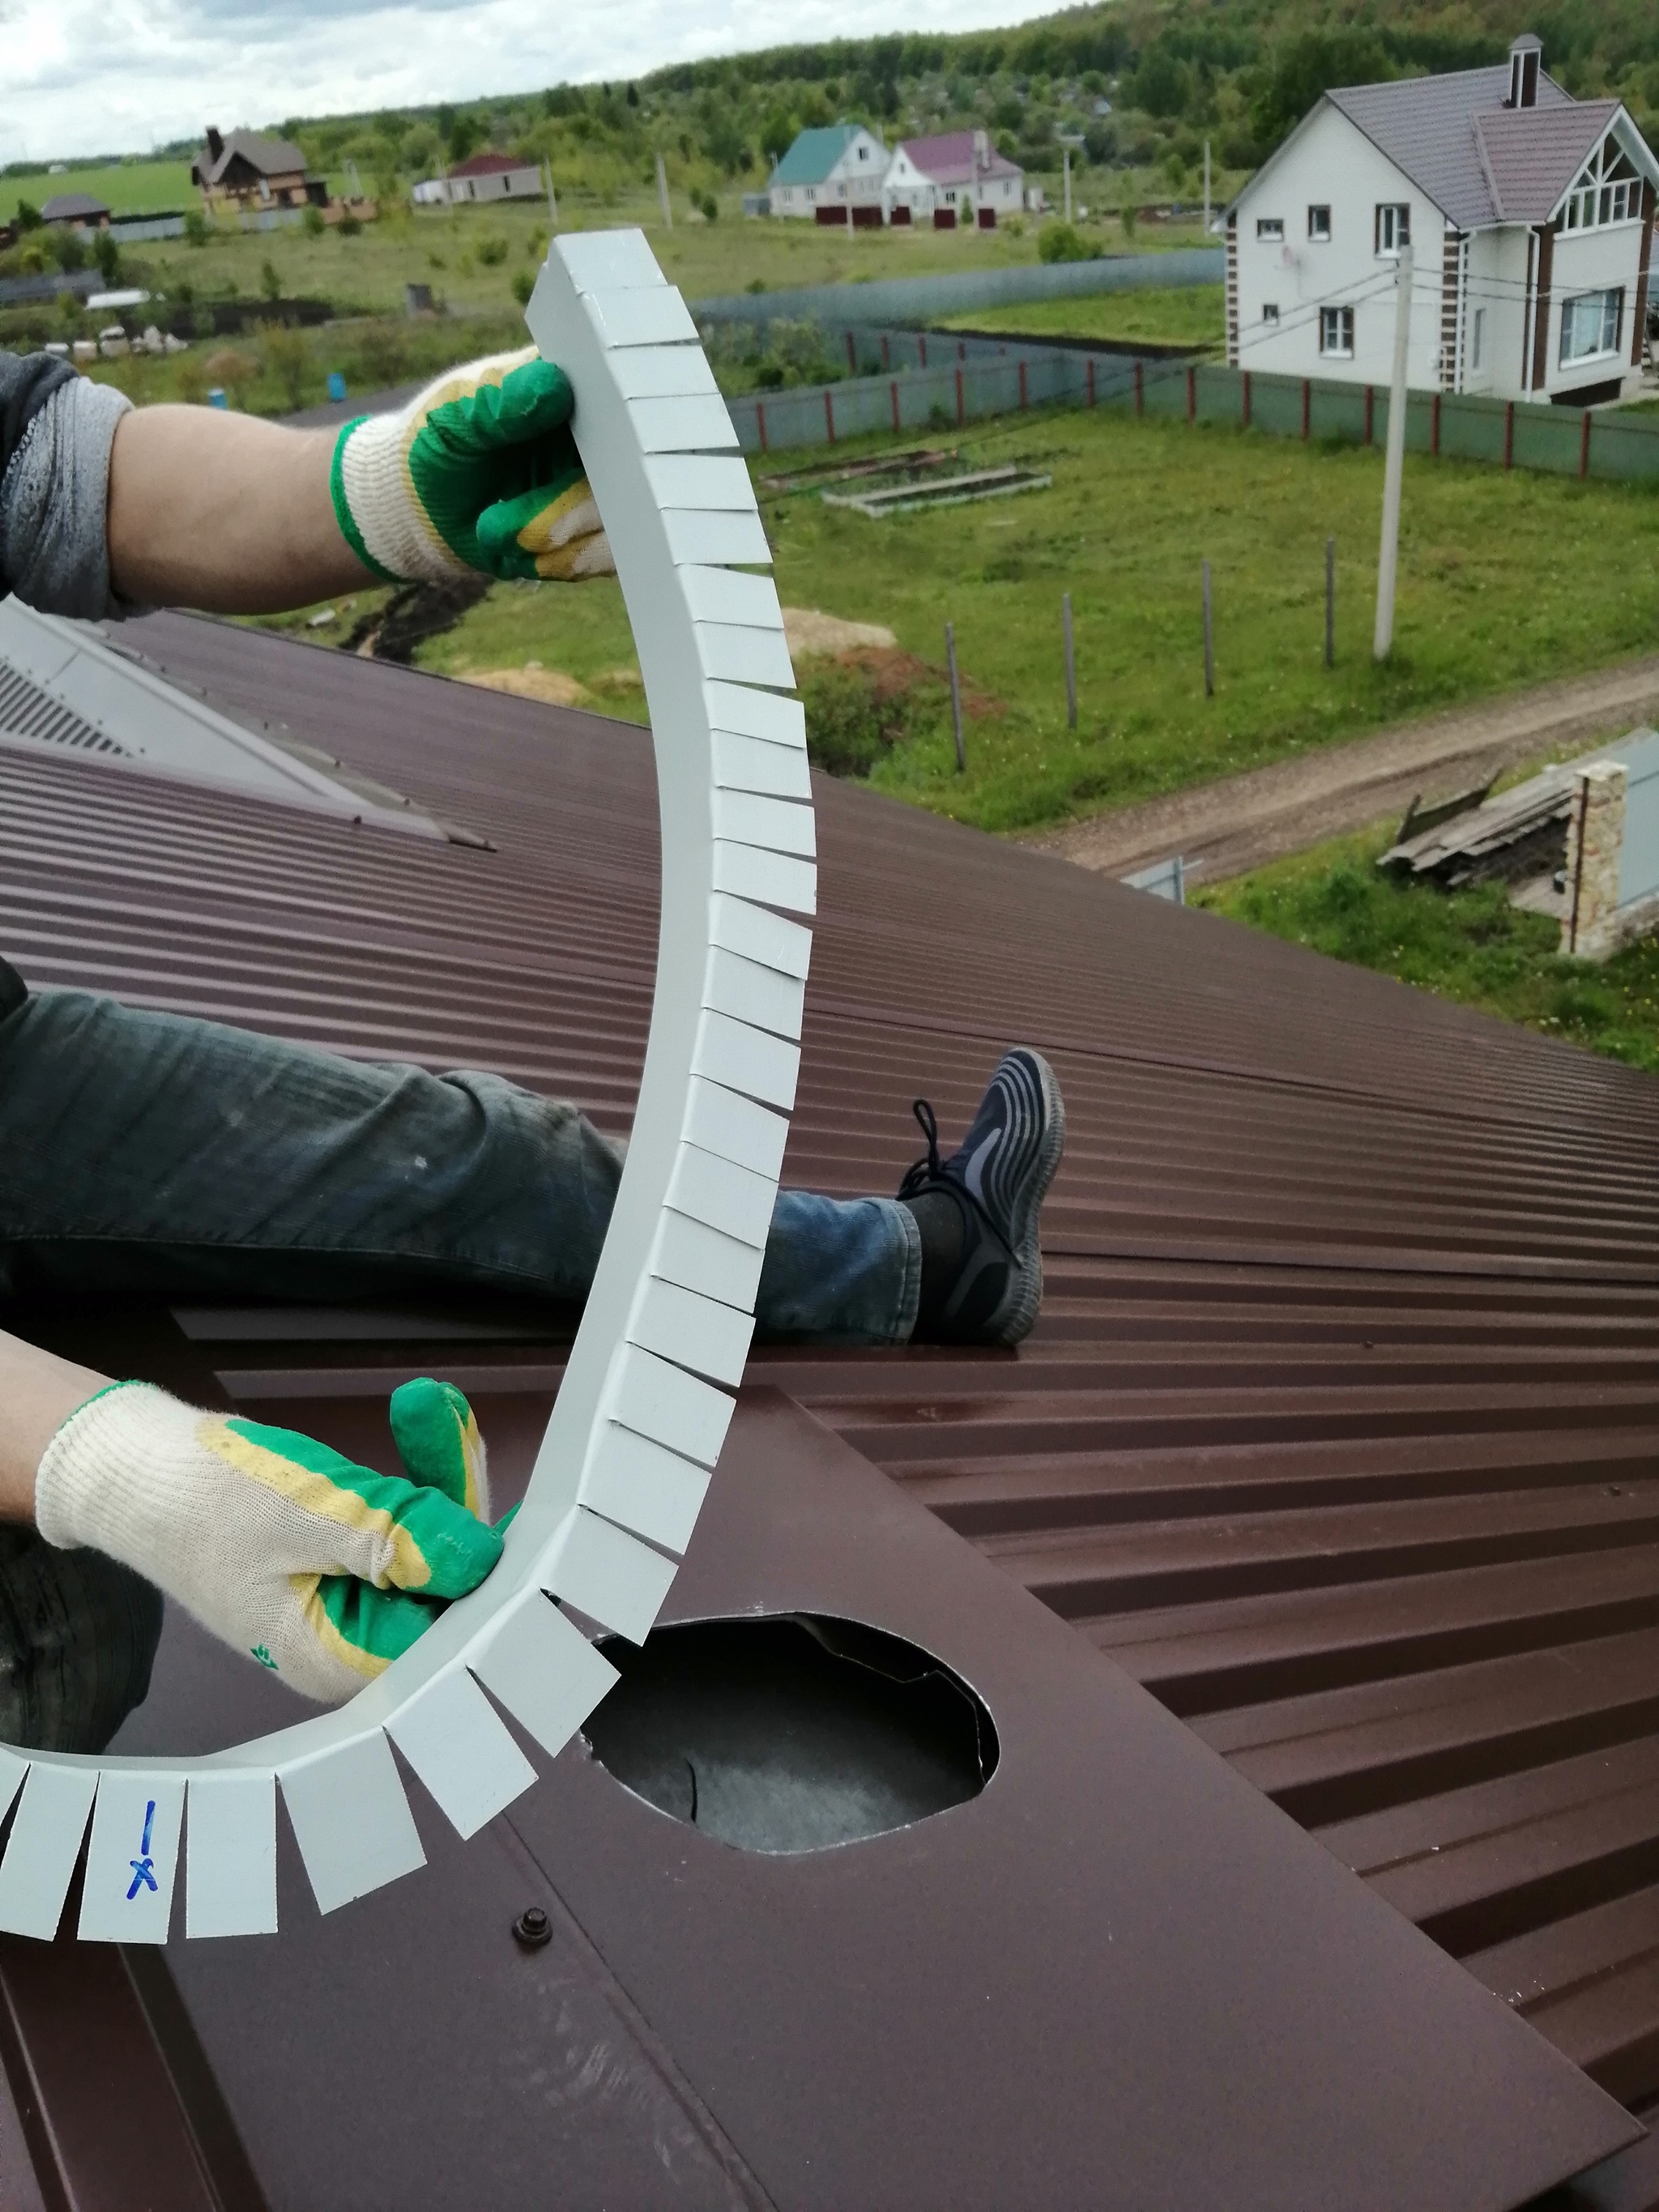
(831, 175)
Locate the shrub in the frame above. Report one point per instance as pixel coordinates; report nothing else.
(381, 350)
(231, 370)
(312, 221)
(349, 225)
(1063, 241)
(492, 251)
(289, 353)
(196, 228)
(67, 248)
(844, 736)
(1127, 216)
(271, 283)
(28, 216)
(523, 285)
(711, 208)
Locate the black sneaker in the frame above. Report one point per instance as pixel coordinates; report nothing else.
(982, 1284)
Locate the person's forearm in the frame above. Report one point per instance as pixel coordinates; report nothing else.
(39, 1392)
(220, 511)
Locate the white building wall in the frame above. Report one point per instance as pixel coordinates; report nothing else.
(1593, 261)
(1332, 164)
(1495, 284)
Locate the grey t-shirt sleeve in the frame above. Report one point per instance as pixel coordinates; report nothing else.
(55, 431)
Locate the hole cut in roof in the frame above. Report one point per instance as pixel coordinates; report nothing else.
(64, 685)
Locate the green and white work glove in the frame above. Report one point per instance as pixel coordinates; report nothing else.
(322, 1571)
(478, 471)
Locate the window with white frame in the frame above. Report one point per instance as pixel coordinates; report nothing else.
(1606, 190)
(1394, 226)
(1590, 324)
(1269, 312)
(1477, 337)
(1336, 333)
(1318, 225)
(1270, 226)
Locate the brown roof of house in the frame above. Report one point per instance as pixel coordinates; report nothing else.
(72, 207)
(1337, 1434)
(1532, 154)
(487, 165)
(266, 157)
(1425, 125)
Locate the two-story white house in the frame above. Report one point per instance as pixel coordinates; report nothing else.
(1530, 215)
(829, 171)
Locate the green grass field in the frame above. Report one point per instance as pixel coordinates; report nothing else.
(1188, 314)
(1506, 580)
(1470, 946)
(124, 187)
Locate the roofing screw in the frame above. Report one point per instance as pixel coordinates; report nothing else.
(532, 1928)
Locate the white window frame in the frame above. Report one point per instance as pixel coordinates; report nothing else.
(1318, 225)
(1336, 333)
(1606, 190)
(1270, 230)
(1394, 227)
(1604, 313)
(1269, 312)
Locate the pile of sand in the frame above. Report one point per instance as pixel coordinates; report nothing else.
(551, 685)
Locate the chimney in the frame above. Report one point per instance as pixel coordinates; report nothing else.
(215, 143)
(1526, 59)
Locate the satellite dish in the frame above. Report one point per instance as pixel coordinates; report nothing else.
(644, 1407)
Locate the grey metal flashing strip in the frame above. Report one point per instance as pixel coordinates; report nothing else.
(62, 685)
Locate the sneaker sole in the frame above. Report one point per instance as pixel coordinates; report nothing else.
(1014, 1321)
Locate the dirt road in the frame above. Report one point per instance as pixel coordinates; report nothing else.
(1223, 828)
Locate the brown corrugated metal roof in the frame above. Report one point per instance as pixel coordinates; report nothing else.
(1339, 1428)
(1533, 154)
(1425, 125)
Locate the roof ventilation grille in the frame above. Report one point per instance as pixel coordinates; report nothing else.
(27, 711)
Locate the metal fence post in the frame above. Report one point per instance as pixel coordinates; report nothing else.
(1071, 661)
(760, 422)
(830, 413)
(1330, 603)
(1370, 412)
(1088, 380)
(1509, 434)
(1141, 388)
(1307, 406)
(1209, 638)
(1191, 395)
(1583, 445)
(961, 413)
(956, 694)
(1244, 391)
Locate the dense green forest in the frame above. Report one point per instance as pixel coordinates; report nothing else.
(1142, 83)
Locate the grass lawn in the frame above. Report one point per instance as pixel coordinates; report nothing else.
(124, 187)
(1189, 314)
(1504, 580)
(1470, 946)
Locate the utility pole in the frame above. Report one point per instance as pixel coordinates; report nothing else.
(662, 194)
(1395, 466)
(1066, 156)
(956, 694)
(1207, 188)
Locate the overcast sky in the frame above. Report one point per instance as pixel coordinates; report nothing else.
(87, 77)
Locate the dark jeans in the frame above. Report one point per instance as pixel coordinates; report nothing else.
(152, 1156)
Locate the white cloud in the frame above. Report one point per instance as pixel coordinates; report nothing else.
(85, 76)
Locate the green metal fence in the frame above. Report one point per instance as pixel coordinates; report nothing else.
(936, 379)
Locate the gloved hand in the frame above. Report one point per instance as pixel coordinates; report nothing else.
(478, 472)
(320, 1570)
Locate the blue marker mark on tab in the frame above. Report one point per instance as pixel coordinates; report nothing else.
(143, 1867)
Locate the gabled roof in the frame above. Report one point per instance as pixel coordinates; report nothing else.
(72, 207)
(949, 159)
(1425, 125)
(815, 153)
(1481, 161)
(266, 157)
(1532, 154)
(488, 165)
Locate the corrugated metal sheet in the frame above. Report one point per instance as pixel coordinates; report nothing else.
(1339, 1429)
